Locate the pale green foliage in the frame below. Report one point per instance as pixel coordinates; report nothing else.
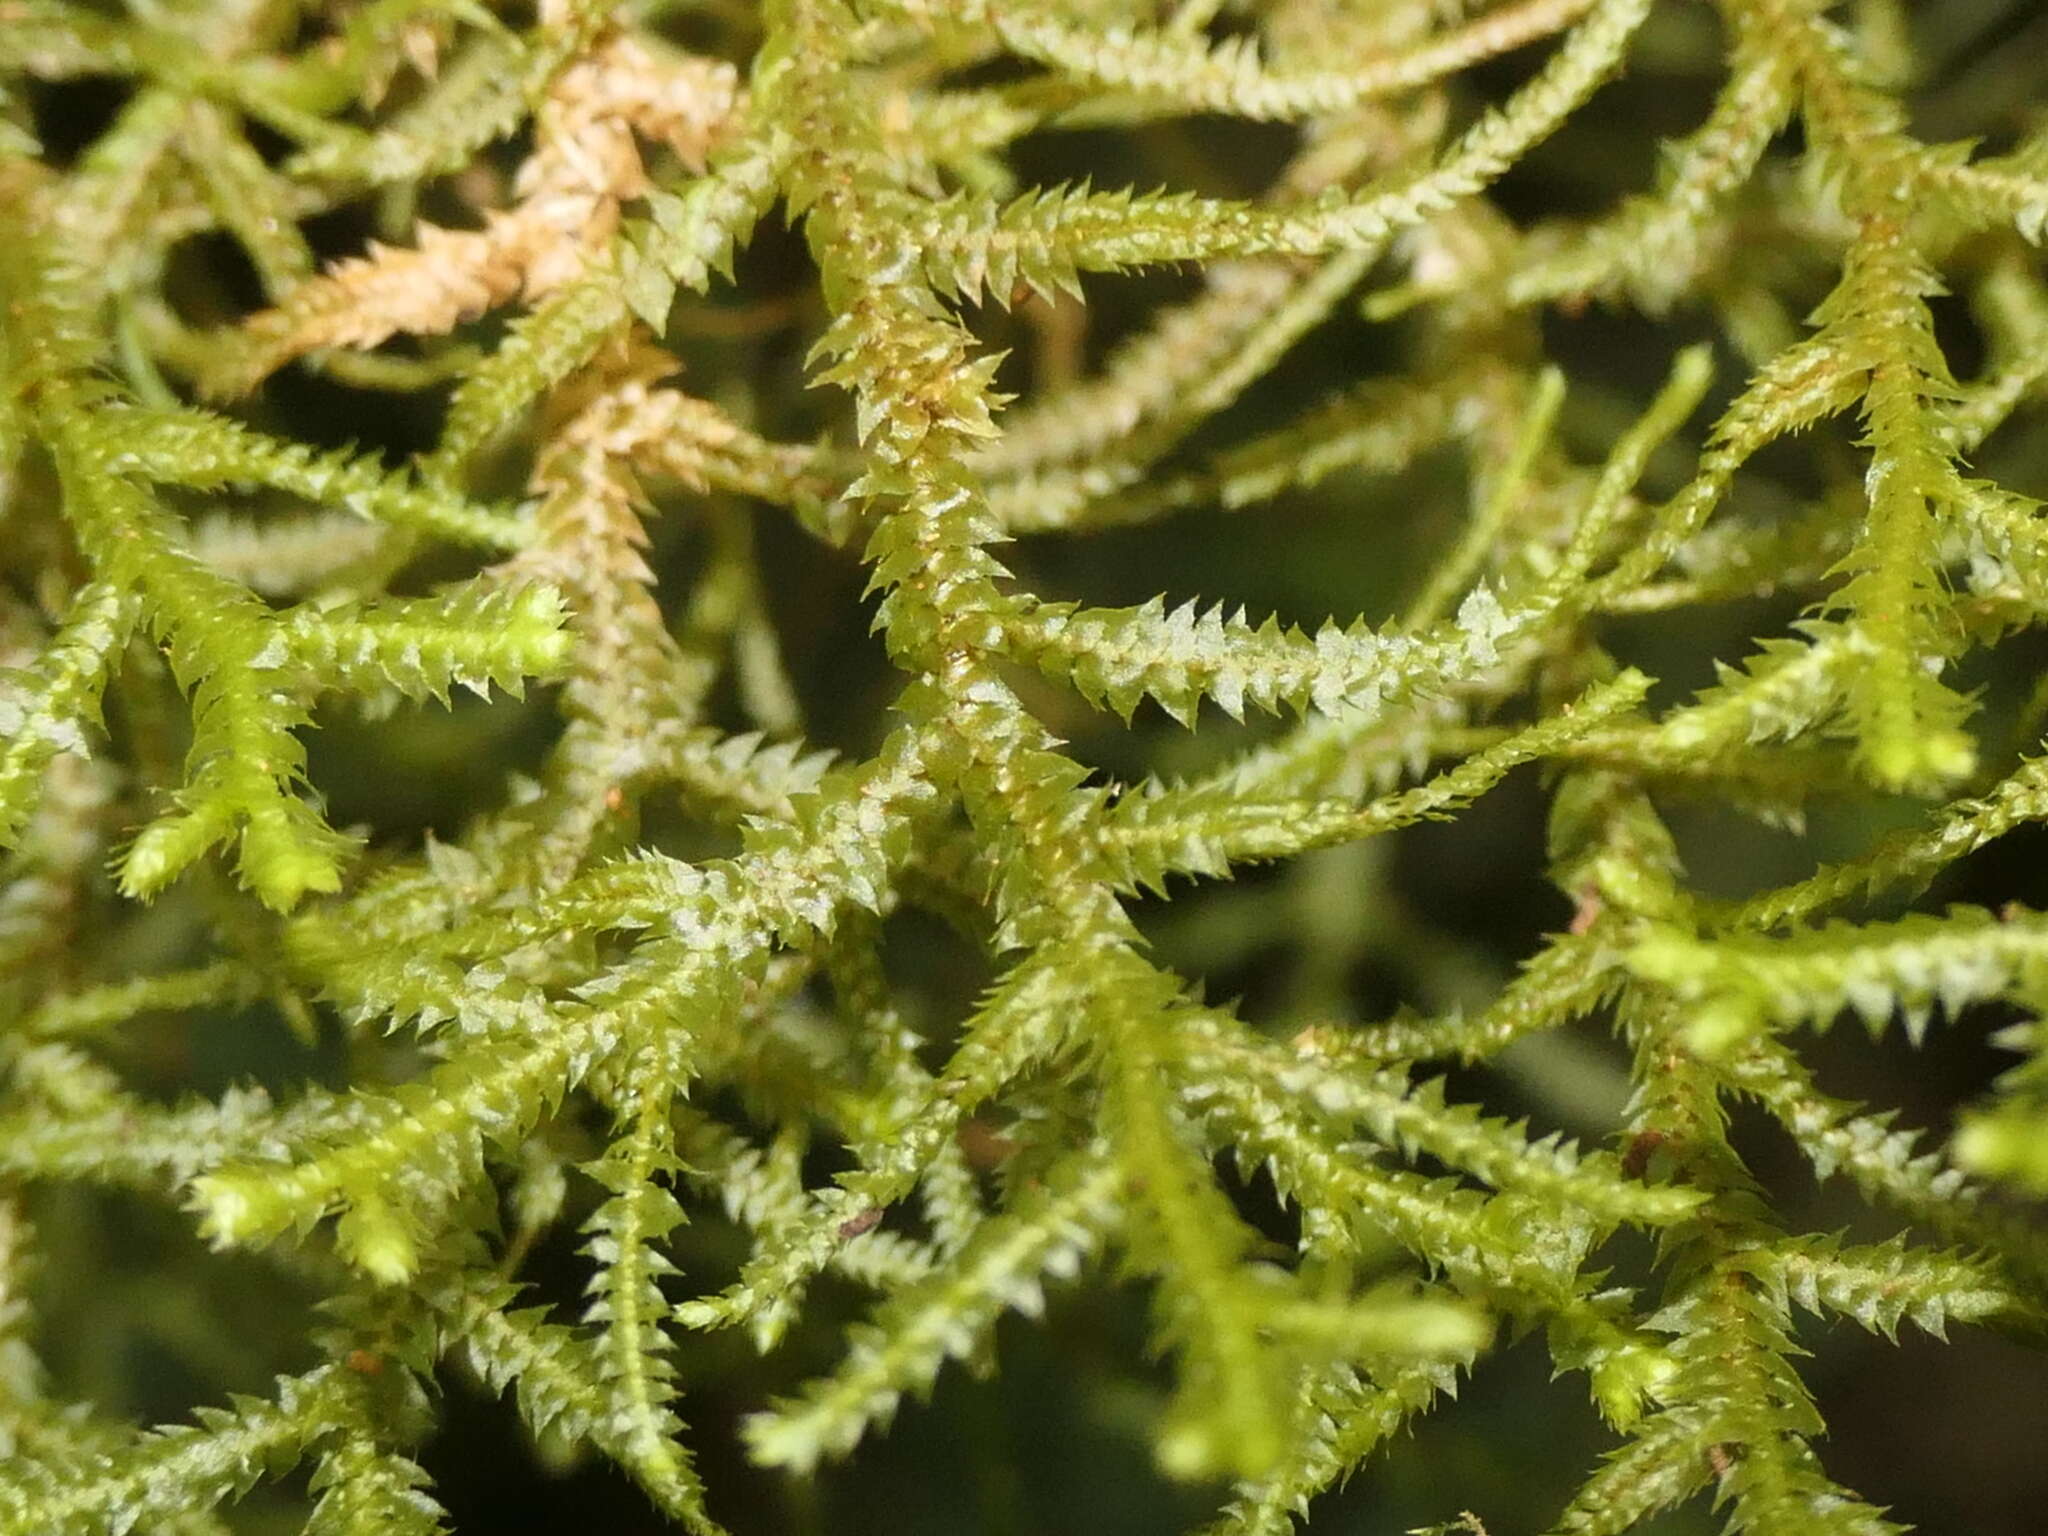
(554, 1017)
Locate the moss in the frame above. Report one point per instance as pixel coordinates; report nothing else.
(555, 1040)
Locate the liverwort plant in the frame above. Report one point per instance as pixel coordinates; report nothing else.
(641, 985)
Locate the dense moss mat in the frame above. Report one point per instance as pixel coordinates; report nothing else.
(618, 620)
